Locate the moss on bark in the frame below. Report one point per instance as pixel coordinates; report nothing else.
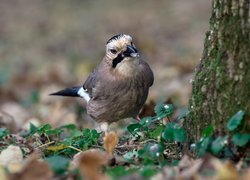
(221, 84)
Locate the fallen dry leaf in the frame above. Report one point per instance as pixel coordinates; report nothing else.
(186, 169)
(3, 175)
(8, 122)
(225, 170)
(33, 169)
(90, 163)
(110, 140)
(12, 158)
(192, 171)
(19, 113)
(185, 162)
(189, 168)
(246, 174)
(11, 155)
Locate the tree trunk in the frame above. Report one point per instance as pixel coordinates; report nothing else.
(221, 85)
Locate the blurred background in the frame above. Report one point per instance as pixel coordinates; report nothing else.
(49, 45)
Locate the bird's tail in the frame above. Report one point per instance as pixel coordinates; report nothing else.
(73, 92)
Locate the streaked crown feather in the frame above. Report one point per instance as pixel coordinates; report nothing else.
(119, 40)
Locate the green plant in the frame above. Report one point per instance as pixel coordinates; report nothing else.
(146, 147)
(227, 145)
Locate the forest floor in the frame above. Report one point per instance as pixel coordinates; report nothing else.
(49, 45)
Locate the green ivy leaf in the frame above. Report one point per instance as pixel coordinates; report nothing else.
(95, 134)
(174, 132)
(44, 128)
(86, 132)
(169, 132)
(146, 121)
(208, 131)
(151, 151)
(71, 127)
(90, 138)
(180, 135)
(120, 171)
(117, 171)
(53, 131)
(218, 145)
(156, 132)
(58, 164)
(47, 129)
(134, 128)
(241, 139)
(235, 121)
(164, 110)
(202, 145)
(67, 141)
(148, 171)
(33, 129)
(82, 143)
(3, 132)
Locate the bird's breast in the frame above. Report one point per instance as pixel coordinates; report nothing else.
(115, 100)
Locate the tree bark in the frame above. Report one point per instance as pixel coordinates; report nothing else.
(221, 85)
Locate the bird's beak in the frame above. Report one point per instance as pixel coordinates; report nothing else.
(131, 52)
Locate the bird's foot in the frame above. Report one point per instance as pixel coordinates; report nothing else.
(110, 140)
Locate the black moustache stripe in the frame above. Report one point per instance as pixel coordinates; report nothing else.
(117, 60)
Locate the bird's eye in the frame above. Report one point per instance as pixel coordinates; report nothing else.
(113, 51)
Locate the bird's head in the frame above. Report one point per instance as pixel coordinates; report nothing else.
(122, 53)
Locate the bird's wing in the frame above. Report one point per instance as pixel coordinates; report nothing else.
(89, 84)
(148, 73)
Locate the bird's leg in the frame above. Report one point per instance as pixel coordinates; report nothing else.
(110, 139)
(137, 118)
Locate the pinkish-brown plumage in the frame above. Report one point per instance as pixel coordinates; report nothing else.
(118, 87)
(114, 96)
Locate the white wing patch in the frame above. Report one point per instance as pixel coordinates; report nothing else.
(84, 94)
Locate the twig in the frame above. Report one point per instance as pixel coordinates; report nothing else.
(52, 142)
(118, 152)
(149, 140)
(72, 147)
(127, 146)
(46, 144)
